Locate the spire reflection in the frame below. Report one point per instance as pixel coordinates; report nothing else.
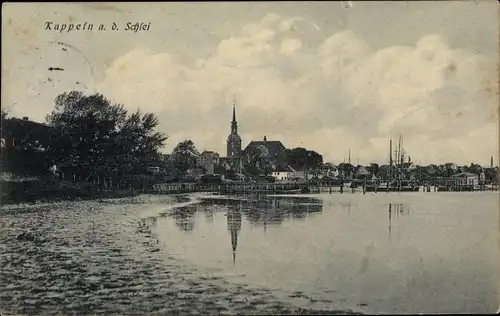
(234, 227)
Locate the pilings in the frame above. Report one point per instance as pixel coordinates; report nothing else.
(433, 185)
(166, 188)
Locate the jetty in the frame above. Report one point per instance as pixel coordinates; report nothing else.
(236, 188)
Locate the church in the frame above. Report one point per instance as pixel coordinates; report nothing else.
(236, 158)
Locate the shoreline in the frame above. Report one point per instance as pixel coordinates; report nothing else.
(47, 190)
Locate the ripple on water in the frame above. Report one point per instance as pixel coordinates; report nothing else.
(95, 258)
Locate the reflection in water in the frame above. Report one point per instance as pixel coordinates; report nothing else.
(234, 227)
(209, 214)
(341, 256)
(264, 210)
(399, 210)
(184, 217)
(349, 206)
(259, 211)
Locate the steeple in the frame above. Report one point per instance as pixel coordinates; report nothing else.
(234, 124)
(234, 141)
(234, 111)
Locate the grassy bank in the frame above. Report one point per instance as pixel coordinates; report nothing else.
(53, 190)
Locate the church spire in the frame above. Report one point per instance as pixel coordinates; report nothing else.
(234, 124)
(234, 111)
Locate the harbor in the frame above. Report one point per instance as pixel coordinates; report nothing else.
(435, 185)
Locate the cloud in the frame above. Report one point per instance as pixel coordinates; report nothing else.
(337, 95)
(290, 45)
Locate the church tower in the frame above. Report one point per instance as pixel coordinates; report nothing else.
(234, 143)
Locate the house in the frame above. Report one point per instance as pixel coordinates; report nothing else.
(329, 170)
(25, 144)
(467, 178)
(362, 172)
(283, 174)
(22, 132)
(208, 160)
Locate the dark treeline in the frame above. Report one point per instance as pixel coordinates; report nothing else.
(85, 138)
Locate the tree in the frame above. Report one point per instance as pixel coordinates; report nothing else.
(3, 113)
(257, 160)
(185, 155)
(300, 157)
(373, 168)
(346, 170)
(138, 142)
(329, 165)
(98, 138)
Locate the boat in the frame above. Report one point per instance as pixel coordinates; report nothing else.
(397, 182)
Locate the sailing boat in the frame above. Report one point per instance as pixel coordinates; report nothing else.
(396, 181)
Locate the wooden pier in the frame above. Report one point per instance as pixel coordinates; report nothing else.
(228, 188)
(434, 185)
(458, 185)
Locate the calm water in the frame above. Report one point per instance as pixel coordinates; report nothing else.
(373, 253)
(377, 253)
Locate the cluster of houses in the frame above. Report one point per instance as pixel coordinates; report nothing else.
(21, 131)
(212, 163)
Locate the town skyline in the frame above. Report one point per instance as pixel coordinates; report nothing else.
(314, 75)
(394, 142)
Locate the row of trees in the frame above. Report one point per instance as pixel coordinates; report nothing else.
(89, 137)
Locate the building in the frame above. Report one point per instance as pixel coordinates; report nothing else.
(268, 149)
(467, 178)
(209, 160)
(283, 174)
(362, 172)
(234, 145)
(24, 145)
(19, 133)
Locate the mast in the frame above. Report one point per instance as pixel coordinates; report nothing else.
(390, 152)
(399, 149)
(402, 152)
(390, 158)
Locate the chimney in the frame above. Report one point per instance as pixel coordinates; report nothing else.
(25, 118)
(265, 138)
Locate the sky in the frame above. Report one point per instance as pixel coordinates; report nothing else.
(327, 76)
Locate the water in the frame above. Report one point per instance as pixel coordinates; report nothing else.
(374, 253)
